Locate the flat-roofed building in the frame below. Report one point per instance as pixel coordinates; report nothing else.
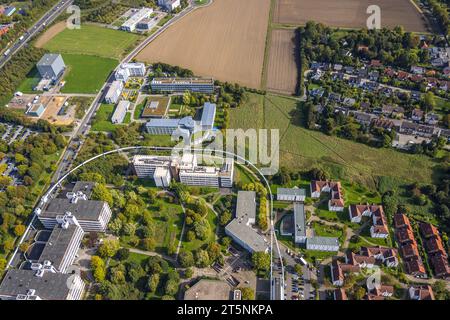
(36, 110)
(169, 5)
(322, 244)
(120, 112)
(145, 165)
(63, 243)
(114, 92)
(180, 85)
(51, 66)
(206, 289)
(240, 229)
(132, 69)
(208, 116)
(299, 223)
(38, 285)
(135, 18)
(92, 215)
(185, 125)
(209, 176)
(162, 177)
(291, 194)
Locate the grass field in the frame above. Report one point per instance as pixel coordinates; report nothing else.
(302, 149)
(91, 40)
(86, 74)
(102, 121)
(225, 40)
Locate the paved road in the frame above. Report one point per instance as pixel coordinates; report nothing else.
(44, 21)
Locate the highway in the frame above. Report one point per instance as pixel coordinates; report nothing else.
(44, 21)
(83, 129)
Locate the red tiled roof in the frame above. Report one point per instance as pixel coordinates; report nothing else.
(415, 267)
(424, 292)
(404, 235)
(434, 245)
(401, 220)
(440, 266)
(428, 230)
(410, 250)
(337, 198)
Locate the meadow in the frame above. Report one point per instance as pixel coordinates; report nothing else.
(302, 149)
(86, 74)
(91, 40)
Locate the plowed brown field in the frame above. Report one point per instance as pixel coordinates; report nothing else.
(225, 40)
(349, 13)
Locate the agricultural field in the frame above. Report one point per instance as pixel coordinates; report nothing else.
(349, 13)
(86, 74)
(225, 40)
(302, 149)
(89, 40)
(282, 67)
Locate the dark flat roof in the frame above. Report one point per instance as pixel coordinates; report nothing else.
(82, 209)
(51, 286)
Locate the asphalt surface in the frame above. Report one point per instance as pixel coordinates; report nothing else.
(42, 23)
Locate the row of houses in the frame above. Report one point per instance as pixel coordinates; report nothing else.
(424, 292)
(47, 274)
(379, 228)
(336, 201)
(185, 169)
(408, 246)
(435, 249)
(181, 85)
(368, 257)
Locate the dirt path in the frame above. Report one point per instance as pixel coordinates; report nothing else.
(50, 34)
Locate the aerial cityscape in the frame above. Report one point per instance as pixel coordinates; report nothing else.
(190, 150)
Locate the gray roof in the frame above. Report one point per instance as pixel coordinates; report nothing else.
(325, 241)
(246, 205)
(299, 220)
(48, 59)
(209, 114)
(82, 209)
(247, 235)
(84, 186)
(58, 244)
(187, 122)
(291, 191)
(51, 286)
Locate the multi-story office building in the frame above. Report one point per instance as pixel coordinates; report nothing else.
(135, 18)
(120, 112)
(169, 5)
(184, 125)
(127, 70)
(181, 85)
(92, 215)
(42, 284)
(240, 229)
(208, 116)
(208, 175)
(114, 92)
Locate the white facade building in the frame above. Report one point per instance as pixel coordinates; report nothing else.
(138, 16)
(120, 112)
(114, 92)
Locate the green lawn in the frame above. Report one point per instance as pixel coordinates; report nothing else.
(102, 120)
(93, 40)
(30, 82)
(302, 149)
(86, 74)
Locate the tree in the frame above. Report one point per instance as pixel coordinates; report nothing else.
(108, 248)
(247, 293)
(429, 101)
(225, 218)
(360, 292)
(148, 244)
(98, 268)
(123, 254)
(3, 263)
(19, 230)
(188, 273)
(298, 269)
(153, 282)
(261, 261)
(186, 259)
(202, 258)
(440, 290)
(100, 192)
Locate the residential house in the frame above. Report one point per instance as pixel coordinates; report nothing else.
(424, 292)
(336, 202)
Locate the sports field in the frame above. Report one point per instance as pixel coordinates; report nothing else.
(89, 40)
(302, 149)
(282, 68)
(86, 74)
(225, 40)
(349, 13)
